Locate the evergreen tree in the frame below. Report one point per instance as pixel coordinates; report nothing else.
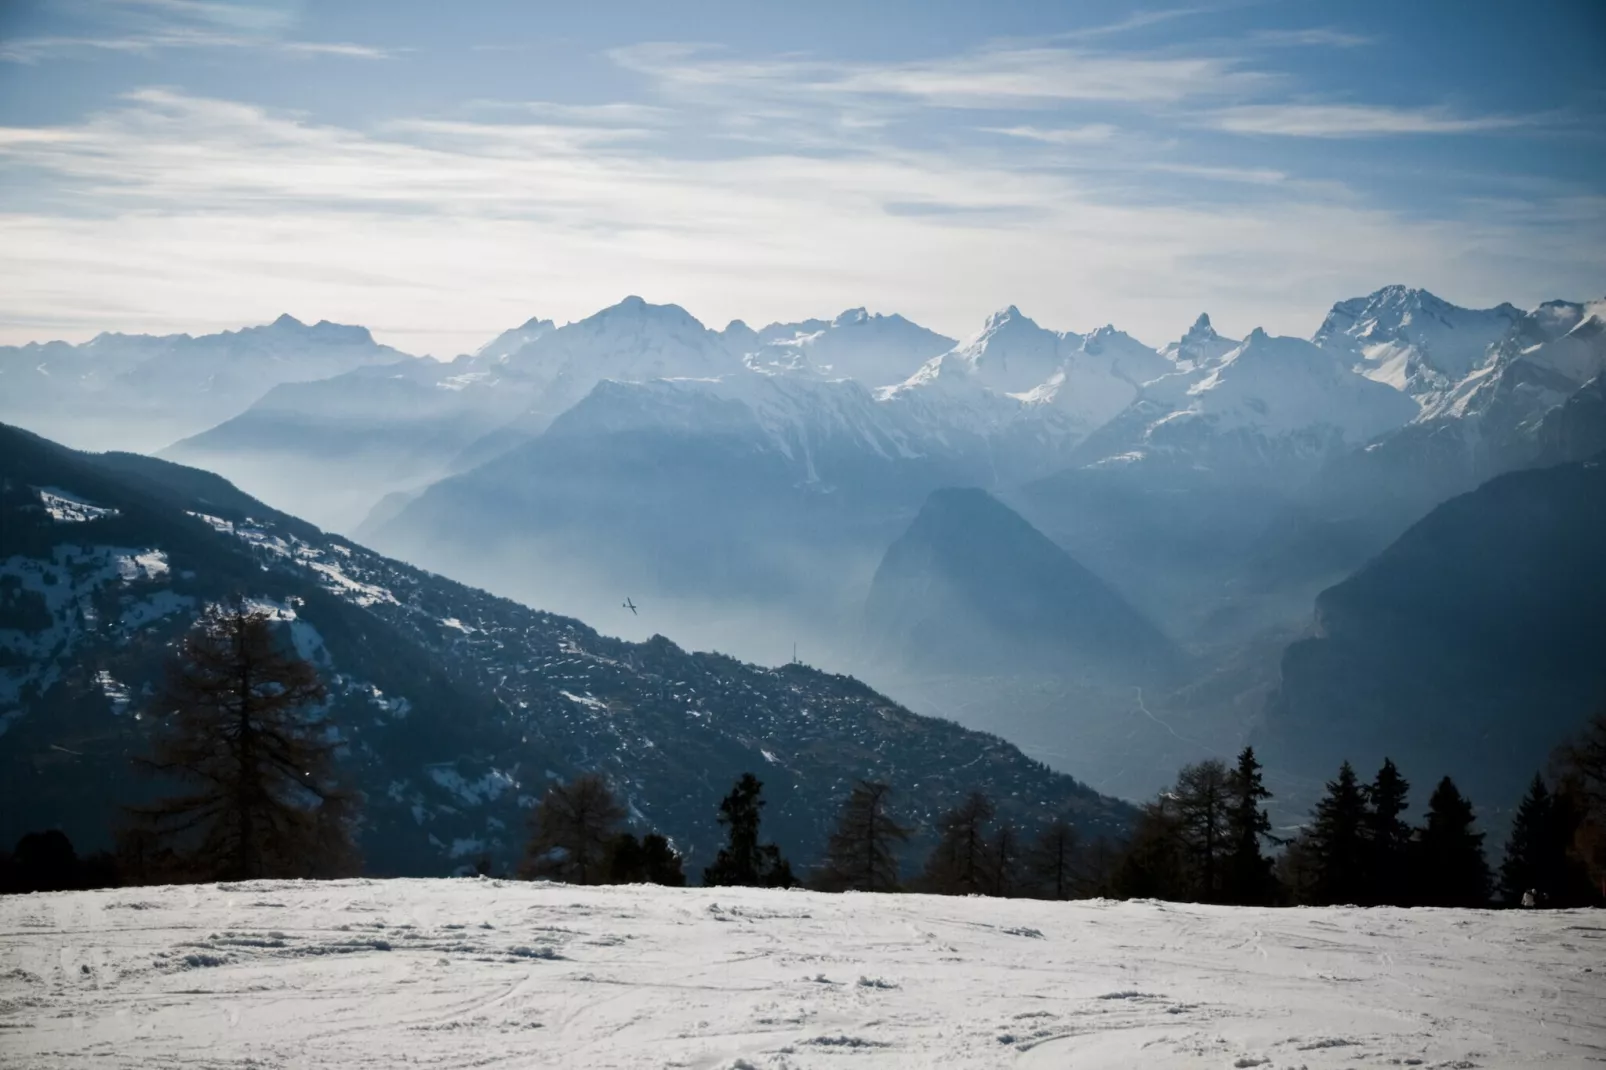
(862, 853)
(961, 863)
(1248, 872)
(1336, 842)
(1004, 853)
(1450, 867)
(1388, 837)
(743, 860)
(649, 860)
(660, 862)
(1099, 866)
(1296, 872)
(1536, 851)
(1203, 801)
(1154, 864)
(1051, 861)
(235, 720)
(573, 831)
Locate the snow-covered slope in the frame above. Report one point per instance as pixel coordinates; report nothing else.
(1277, 386)
(872, 349)
(1069, 382)
(1270, 405)
(468, 972)
(1412, 340)
(628, 342)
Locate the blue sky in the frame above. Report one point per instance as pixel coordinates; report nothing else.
(440, 172)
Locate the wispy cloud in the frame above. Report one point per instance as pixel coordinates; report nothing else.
(989, 78)
(1314, 37)
(1354, 120)
(1091, 133)
(151, 26)
(37, 49)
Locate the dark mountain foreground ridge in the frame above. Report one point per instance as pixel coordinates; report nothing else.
(457, 707)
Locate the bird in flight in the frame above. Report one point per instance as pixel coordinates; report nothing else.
(628, 604)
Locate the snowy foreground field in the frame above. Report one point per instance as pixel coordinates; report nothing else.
(482, 973)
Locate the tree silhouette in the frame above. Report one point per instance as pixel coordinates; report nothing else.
(1388, 837)
(1155, 864)
(1203, 799)
(1005, 855)
(961, 862)
(649, 860)
(743, 860)
(572, 832)
(1051, 860)
(235, 720)
(1450, 867)
(862, 855)
(1336, 841)
(1536, 851)
(1248, 872)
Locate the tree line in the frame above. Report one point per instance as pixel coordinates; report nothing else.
(239, 727)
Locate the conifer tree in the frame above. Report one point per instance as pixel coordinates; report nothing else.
(649, 860)
(1202, 796)
(1388, 837)
(1536, 851)
(1248, 872)
(961, 862)
(572, 832)
(1051, 861)
(862, 853)
(660, 862)
(1336, 841)
(1004, 852)
(235, 720)
(1155, 864)
(743, 860)
(1450, 868)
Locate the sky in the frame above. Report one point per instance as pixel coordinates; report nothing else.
(439, 173)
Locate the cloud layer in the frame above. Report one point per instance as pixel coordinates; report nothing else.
(1047, 174)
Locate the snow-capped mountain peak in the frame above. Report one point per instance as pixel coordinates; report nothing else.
(1280, 385)
(1413, 340)
(511, 341)
(1200, 347)
(871, 348)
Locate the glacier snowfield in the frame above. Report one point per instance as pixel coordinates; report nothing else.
(498, 973)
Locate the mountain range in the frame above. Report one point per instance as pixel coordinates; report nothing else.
(801, 483)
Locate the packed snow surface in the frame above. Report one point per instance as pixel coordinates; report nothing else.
(484, 972)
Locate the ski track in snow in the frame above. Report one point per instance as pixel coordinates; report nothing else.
(371, 973)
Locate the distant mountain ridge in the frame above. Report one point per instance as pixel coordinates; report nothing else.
(142, 392)
(1471, 645)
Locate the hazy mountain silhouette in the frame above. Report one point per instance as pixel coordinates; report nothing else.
(971, 586)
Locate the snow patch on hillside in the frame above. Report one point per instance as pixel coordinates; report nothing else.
(67, 508)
